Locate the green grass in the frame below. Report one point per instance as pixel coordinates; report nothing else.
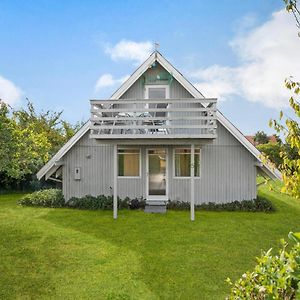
(72, 254)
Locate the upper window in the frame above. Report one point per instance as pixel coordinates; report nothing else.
(183, 162)
(129, 162)
(157, 91)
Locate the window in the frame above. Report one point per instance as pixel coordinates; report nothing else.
(157, 91)
(183, 162)
(129, 162)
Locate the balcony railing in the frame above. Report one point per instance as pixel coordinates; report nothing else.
(153, 118)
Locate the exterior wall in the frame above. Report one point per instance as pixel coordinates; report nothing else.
(228, 172)
(136, 91)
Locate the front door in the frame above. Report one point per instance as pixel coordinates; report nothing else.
(157, 174)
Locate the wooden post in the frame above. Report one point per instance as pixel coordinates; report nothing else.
(192, 182)
(115, 191)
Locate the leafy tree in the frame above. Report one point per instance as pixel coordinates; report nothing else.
(49, 123)
(22, 148)
(290, 128)
(261, 138)
(28, 140)
(272, 152)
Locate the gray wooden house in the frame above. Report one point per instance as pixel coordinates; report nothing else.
(159, 138)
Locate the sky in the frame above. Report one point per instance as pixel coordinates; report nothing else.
(60, 54)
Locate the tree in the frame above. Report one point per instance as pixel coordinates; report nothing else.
(50, 123)
(290, 128)
(272, 152)
(22, 148)
(261, 137)
(28, 140)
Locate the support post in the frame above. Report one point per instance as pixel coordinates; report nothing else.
(192, 182)
(115, 191)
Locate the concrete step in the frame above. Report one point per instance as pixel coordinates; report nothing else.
(156, 202)
(157, 209)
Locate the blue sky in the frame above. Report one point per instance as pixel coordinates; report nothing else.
(55, 52)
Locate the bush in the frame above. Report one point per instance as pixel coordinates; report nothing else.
(258, 204)
(137, 203)
(103, 202)
(90, 202)
(274, 277)
(45, 198)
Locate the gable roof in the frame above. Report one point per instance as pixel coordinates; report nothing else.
(156, 56)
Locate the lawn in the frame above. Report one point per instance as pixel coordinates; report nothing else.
(72, 254)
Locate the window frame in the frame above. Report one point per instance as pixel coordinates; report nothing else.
(174, 163)
(140, 161)
(166, 86)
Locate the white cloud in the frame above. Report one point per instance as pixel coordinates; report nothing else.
(9, 92)
(108, 81)
(127, 50)
(267, 55)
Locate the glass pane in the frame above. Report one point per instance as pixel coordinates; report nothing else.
(129, 164)
(157, 151)
(128, 150)
(182, 150)
(197, 165)
(157, 93)
(157, 172)
(183, 165)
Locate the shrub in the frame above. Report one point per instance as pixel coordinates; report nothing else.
(103, 202)
(45, 198)
(274, 277)
(258, 204)
(90, 202)
(137, 203)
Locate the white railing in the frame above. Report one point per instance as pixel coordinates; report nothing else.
(153, 118)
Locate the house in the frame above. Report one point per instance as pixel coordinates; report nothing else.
(159, 138)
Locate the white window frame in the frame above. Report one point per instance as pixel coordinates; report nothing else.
(200, 164)
(140, 161)
(166, 86)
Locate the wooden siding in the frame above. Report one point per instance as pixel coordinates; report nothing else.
(137, 91)
(228, 172)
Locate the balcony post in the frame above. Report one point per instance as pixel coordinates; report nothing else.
(192, 182)
(115, 190)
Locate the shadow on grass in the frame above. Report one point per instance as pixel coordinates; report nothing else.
(179, 257)
(67, 253)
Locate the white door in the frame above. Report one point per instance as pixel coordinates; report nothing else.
(157, 174)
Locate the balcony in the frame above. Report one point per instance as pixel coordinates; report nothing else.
(153, 119)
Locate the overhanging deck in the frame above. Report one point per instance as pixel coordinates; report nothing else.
(127, 119)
